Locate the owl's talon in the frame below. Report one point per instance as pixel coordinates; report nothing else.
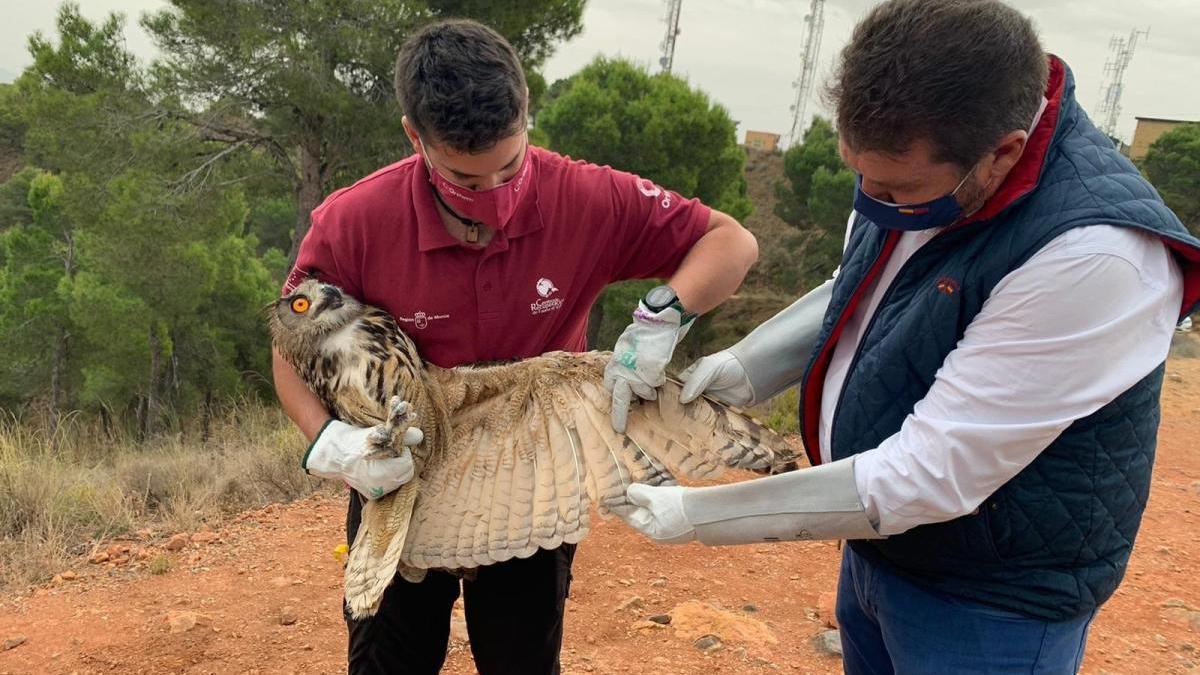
(398, 407)
(400, 414)
(398, 431)
(380, 442)
(381, 435)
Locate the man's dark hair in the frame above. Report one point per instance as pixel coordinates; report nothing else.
(460, 83)
(958, 73)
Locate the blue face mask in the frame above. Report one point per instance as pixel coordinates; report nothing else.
(939, 212)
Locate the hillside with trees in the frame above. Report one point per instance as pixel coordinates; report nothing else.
(148, 211)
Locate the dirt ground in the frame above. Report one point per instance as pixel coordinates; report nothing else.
(261, 594)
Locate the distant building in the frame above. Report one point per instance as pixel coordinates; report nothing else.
(762, 140)
(1147, 131)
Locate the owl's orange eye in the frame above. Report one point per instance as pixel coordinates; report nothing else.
(300, 305)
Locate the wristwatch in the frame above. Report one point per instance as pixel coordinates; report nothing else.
(661, 297)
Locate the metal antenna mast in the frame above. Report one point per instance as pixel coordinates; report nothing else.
(668, 43)
(808, 67)
(1121, 53)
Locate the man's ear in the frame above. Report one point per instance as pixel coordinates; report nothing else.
(414, 139)
(1006, 155)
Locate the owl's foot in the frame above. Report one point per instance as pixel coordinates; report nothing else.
(390, 438)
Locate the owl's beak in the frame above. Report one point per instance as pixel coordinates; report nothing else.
(332, 299)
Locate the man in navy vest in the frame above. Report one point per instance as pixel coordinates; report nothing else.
(980, 379)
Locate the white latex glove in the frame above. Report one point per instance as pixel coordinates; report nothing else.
(640, 357)
(366, 458)
(720, 376)
(658, 513)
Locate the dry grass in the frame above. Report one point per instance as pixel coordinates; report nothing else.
(60, 494)
(781, 413)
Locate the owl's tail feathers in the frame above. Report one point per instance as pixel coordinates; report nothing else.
(376, 550)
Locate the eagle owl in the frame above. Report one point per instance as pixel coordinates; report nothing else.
(512, 453)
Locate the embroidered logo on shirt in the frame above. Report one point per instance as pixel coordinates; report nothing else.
(651, 190)
(543, 306)
(545, 287)
(947, 286)
(421, 319)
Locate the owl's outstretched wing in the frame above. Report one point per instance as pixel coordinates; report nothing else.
(532, 444)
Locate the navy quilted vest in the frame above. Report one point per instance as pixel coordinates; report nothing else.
(1053, 542)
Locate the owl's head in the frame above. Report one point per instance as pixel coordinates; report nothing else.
(302, 320)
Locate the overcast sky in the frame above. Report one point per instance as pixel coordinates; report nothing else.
(746, 53)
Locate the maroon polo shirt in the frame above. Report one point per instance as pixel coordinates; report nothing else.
(529, 291)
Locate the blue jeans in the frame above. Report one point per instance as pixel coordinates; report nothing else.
(891, 625)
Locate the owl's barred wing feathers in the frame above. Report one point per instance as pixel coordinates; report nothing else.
(376, 550)
(532, 444)
(513, 454)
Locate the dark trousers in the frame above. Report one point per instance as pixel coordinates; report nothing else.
(514, 617)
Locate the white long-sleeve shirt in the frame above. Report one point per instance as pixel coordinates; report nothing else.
(1079, 323)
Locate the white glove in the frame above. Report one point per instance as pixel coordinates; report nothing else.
(720, 376)
(640, 357)
(366, 458)
(766, 362)
(658, 513)
(817, 503)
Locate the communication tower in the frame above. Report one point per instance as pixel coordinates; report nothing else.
(1120, 54)
(668, 43)
(815, 24)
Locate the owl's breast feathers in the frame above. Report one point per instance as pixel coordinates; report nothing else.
(357, 369)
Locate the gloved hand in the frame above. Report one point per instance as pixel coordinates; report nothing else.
(658, 513)
(640, 358)
(372, 460)
(817, 503)
(767, 361)
(719, 375)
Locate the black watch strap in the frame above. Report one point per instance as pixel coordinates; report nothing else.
(661, 297)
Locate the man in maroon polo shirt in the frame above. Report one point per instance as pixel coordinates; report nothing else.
(486, 248)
